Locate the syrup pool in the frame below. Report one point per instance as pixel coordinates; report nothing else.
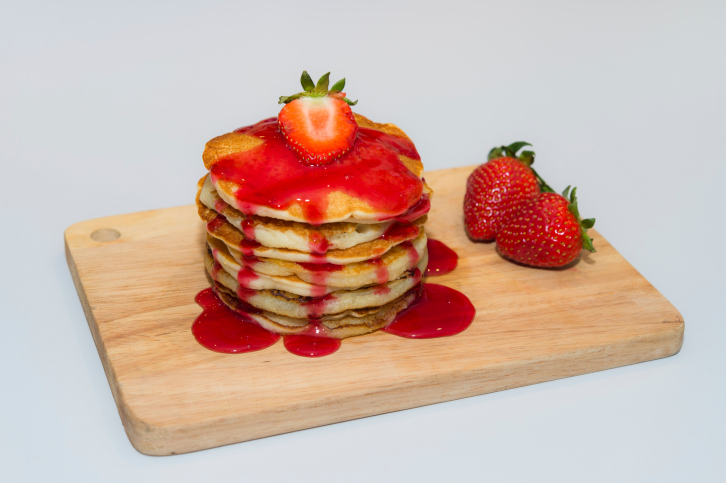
(313, 342)
(439, 311)
(442, 259)
(220, 329)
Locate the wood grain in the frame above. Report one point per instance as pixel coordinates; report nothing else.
(174, 396)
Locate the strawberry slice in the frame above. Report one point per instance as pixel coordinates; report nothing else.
(318, 123)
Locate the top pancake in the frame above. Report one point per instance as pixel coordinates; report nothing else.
(254, 171)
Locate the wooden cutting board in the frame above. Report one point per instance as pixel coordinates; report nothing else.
(137, 275)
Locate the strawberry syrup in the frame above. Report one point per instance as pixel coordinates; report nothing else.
(401, 231)
(220, 329)
(321, 271)
(248, 228)
(439, 311)
(442, 259)
(272, 175)
(317, 243)
(312, 342)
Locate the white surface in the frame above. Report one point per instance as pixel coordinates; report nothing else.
(105, 110)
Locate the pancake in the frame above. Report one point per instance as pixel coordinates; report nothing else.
(297, 306)
(349, 324)
(219, 227)
(289, 234)
(389, 267)
(379, 179)
(248, 279)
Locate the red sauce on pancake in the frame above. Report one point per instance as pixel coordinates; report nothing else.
(220, 205)
(422, 206)
(245, 277)
(316, 305)
(247, 247)
(216, 223)
(248, 228)
(321, 271)
(317, 243)
(272, 175)
(402, 231)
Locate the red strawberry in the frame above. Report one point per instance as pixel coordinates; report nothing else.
(496, 190)
(318, 124)
(547, 232)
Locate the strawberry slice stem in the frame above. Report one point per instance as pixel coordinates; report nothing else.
(310, 89)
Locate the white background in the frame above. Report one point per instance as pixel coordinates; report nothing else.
(104, 109)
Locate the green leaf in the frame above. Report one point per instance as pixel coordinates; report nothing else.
(573, 203)
(307, 82)
(588, 223)
(495, 153)
(286, 99)
(514, 147)
(527, 157)
(566, 194)
(587, 242)
(351, 103)
(323, 83)
(338, 86)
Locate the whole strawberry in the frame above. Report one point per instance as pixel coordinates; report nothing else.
(547, 231)
(496, 190)
(318, 123)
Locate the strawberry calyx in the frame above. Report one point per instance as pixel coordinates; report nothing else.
(311, 89)
(527, 157)
(585, 224)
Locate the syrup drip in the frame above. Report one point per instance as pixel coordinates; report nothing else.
(247, 247)
(271, 175)
(250, 262)
(245, 294)
(442, 259)
(245, 277)
(321, 271)
(422, 206)
(381, 271)
(318, 244)
(220, 205)
(216, 268)
(248, 228)
(439, 311)
(216, 223)
(220, 329)
(316, 305)
(413, 256)
(397, 231)
(312, 342)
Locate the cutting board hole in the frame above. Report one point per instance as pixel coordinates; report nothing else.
(105, 235)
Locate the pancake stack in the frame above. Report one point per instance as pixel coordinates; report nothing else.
(330, 261)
